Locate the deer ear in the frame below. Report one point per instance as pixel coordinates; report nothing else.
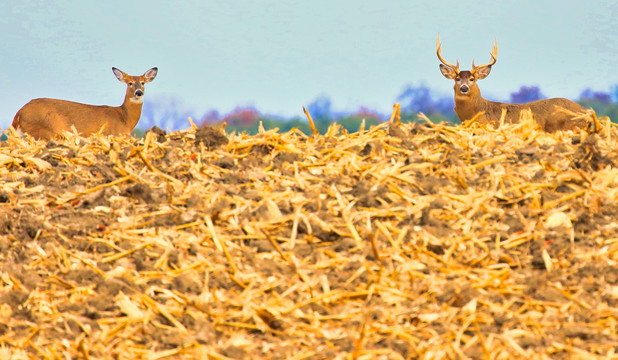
(482, 71)
(448, 72)
(119, 74)
(150, 74)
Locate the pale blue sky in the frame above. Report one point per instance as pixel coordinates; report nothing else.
(279, 55)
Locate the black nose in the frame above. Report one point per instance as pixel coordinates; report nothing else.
(139, 93)
(464, 88)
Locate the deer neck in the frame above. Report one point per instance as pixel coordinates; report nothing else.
(131, 112)
(467, 106)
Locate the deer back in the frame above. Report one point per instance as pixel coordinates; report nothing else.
(44, 118)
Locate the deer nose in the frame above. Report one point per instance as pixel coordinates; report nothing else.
(464, 88)
(139, 93)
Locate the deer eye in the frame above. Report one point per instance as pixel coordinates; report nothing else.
(471, 79)
(131, 83)
(457, 79)
(142, 83)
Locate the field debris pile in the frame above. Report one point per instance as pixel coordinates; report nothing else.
(408, 241)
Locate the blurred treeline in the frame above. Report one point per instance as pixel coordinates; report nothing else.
(169, 114)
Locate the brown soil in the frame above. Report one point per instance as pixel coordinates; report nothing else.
(403, 242)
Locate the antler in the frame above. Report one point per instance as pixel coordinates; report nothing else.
(438, 46)
(494, 57)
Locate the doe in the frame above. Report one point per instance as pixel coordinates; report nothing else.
(45, 118)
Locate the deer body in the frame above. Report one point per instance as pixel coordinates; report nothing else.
(45, 118)
(551, 114)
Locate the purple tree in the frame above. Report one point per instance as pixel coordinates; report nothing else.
(595, 96)
(419, 99)
(320, 108)
(526, 94)
(211, 117)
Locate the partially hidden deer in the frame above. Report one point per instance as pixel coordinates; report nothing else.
(551, 114)
(45, 118)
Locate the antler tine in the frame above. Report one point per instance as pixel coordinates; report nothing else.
(438, 52)
(494, 57)
(494, 51)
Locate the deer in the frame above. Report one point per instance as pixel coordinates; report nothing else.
(551, 114)
(46, 118)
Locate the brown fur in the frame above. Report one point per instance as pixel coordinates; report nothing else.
(46, 118)
(548, 113)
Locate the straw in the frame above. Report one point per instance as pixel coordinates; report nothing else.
(400, 241)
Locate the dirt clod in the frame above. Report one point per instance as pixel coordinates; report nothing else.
(210, 137)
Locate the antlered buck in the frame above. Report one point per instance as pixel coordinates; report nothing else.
(551, 114)
(46, 118)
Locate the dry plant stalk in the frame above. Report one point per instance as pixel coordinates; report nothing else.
(313, 129)
(396, 114)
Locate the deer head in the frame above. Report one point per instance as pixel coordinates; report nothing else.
(135, 84)
(465, 81)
